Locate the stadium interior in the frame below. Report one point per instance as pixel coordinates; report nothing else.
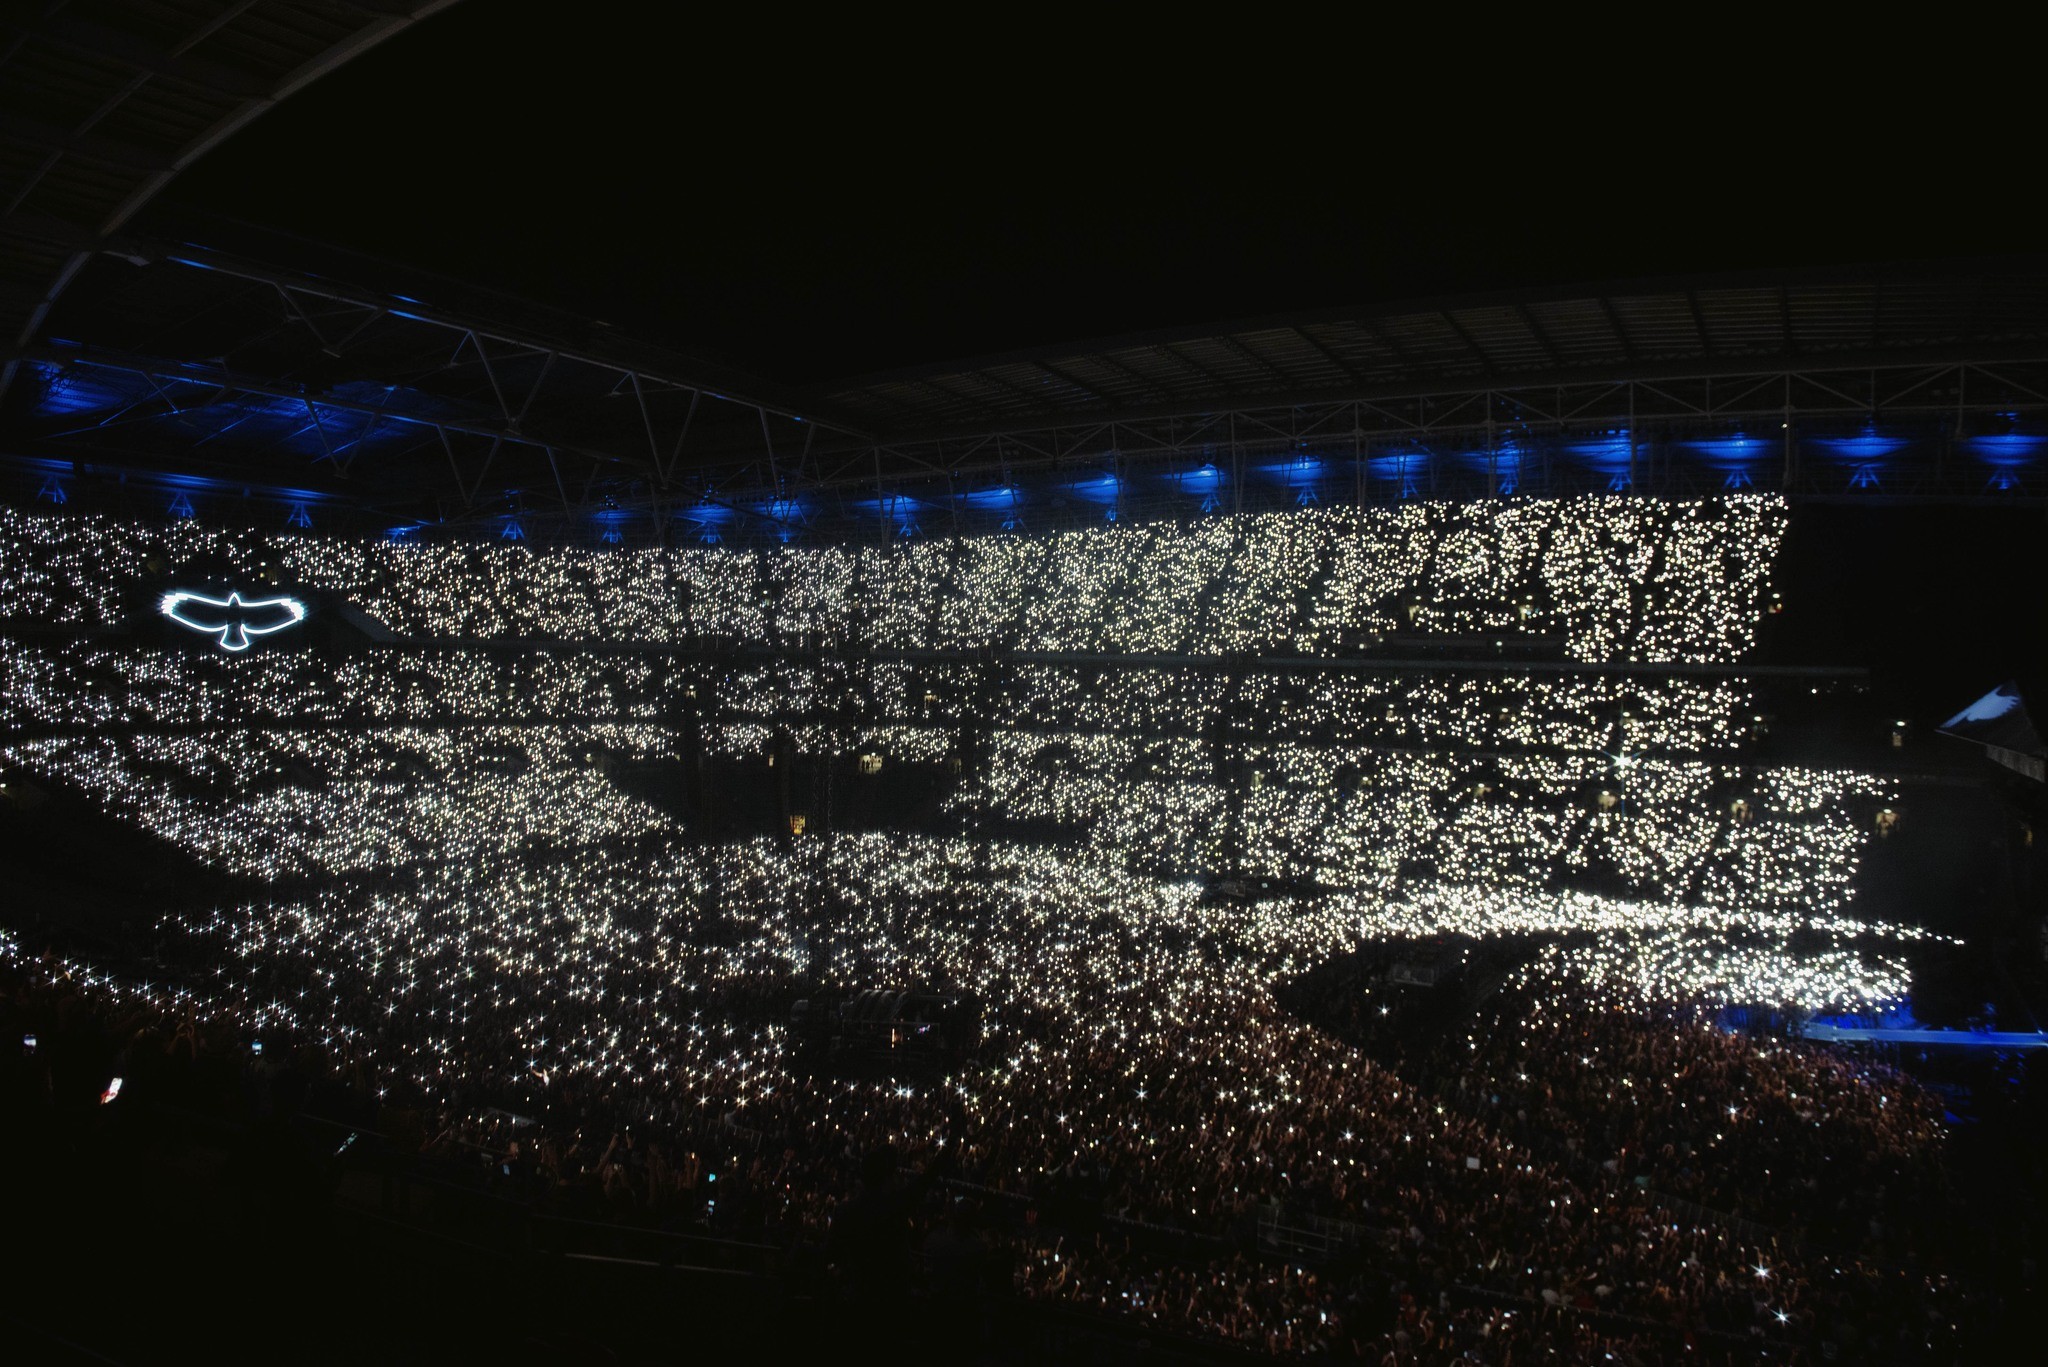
(1446, 832)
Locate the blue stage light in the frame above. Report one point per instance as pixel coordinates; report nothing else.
(1730, 454)
(2007, 450)
(1606, 453)
(709, 514)
(1102, 488)
(1861, 450)
(1002, 498)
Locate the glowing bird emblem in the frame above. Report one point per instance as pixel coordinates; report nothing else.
(234, 619)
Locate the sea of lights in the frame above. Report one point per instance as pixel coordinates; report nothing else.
(1364, 786)
(1602, 575)
(462, 897)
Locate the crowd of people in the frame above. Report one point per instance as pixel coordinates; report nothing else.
(479, 945)
(1479, 1214)
(1609, 579)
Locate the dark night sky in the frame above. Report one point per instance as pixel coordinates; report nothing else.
(809, 201)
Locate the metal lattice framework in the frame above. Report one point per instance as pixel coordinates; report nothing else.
(135, 363)
(1459, 385)
(465, 407)
(102, 102)
(389, 401)
(1645, 328)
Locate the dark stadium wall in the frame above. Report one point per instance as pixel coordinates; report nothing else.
(1940, 602)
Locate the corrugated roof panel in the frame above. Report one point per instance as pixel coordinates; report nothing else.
(1422, 339)
(280, 36)
(1924, 312)
(980, 387)
(1108, 384)
(1743, 321)
(1577, 329)
(1358, 348)
(944, 401)
(2009, 310)
(78, 191)
(163, 119)
(1430, 338)
(1504, 337)
(865, 406)
(19, 161)
(162, 26)
(1832, 317)
(900, 396)
(1295, 357)
(1161, 375)
(1657, 324)
(57, 86)
(1218, 363)
(1040, 389)
(930, 407)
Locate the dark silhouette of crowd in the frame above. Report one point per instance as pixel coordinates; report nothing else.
(1561, 1180)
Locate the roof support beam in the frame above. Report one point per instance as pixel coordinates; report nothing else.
(1332, 357)
(1699, 322)
(1536, 331)
(1478, 352)
(1662, 393)
(93, 147)
(716, 385)
(1628, 350)
(1237, 347)
(101, 42)
(156, 369)
(1174, 353)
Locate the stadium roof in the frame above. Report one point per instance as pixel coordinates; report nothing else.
(102, 102)
(422, 399)
(1638, 329)
(138, 358)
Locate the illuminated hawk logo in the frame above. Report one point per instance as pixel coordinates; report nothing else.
(234, 619)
